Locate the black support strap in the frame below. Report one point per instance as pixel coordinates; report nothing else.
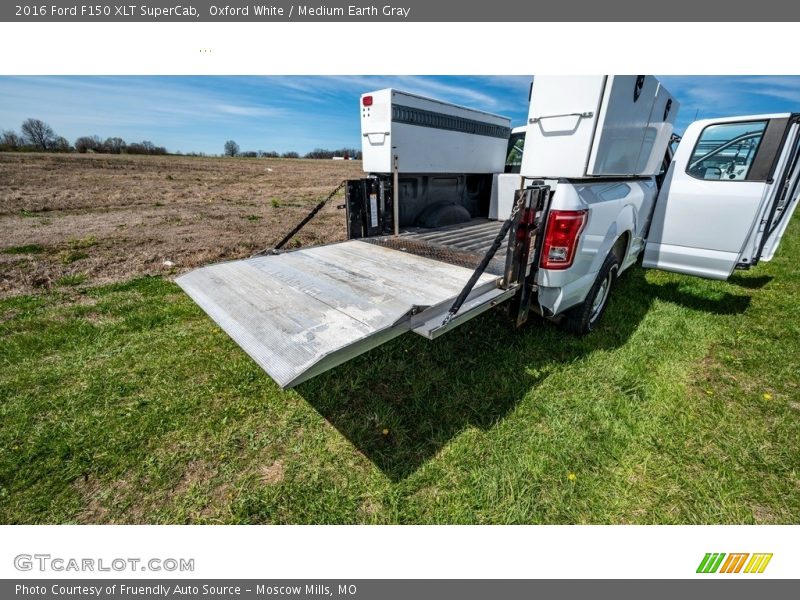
(274, 249)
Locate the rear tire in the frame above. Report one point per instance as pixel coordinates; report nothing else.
(583, 318)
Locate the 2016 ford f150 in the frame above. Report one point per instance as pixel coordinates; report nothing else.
(459, 213)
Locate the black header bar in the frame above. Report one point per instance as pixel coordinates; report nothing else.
(512, 11)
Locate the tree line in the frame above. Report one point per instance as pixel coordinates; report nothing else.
(231, 148)
(36, 135)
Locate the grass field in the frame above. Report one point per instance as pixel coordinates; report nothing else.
(67, 218)
(124, 403)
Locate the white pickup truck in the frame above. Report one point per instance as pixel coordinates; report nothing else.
(459, 213)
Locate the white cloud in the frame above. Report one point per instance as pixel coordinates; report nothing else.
(319, 88)
(250, 111)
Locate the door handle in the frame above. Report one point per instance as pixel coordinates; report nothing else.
(383, 134)
(581, 115)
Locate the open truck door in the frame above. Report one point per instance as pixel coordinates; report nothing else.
(727, 197)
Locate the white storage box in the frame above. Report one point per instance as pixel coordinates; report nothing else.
(659, 131)
(429, 136)
(504, 186)
(595, 126)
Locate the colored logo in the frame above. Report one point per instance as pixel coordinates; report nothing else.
(719, 562)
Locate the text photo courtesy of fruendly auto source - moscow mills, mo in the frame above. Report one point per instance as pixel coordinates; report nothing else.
(410, 299)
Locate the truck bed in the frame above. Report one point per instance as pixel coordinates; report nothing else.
(463, 244)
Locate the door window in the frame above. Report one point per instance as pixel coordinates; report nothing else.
(726, 151)
(516, 145)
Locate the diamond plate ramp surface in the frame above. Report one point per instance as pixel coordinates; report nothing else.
(301, 313)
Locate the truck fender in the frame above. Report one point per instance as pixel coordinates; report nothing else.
(624, 223)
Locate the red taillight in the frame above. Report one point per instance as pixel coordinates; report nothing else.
(561, 238)
(526, 222)
(366, 100)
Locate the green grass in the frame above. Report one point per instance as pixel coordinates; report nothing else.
(29, 249)
(72, 280)
(125, 403)
(82, 243)
(73, 256)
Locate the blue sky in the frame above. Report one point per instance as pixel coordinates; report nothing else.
(300, 112)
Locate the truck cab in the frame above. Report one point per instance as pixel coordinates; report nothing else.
(722, 204)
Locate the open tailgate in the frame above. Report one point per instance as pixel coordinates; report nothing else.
(301, 313)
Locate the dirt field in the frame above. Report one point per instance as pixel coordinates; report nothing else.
(88, 219)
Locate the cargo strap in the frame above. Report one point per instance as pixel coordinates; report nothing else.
(274, 249)
(487, 258)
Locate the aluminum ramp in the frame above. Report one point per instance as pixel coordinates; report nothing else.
(301, 313)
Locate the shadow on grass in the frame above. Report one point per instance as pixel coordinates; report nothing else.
(750, 283)
(403, 402)
(722, 303)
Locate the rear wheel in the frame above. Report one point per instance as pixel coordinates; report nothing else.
(583, 318)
